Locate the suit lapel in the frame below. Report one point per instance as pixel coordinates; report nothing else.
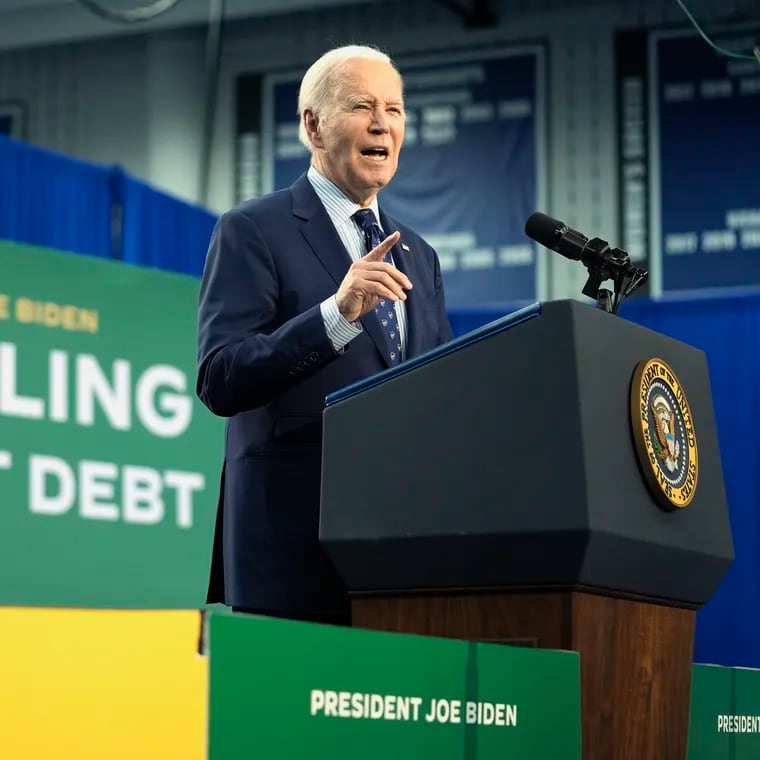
(323, 239)
(318, 229)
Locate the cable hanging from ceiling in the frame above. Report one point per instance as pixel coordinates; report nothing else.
(729, 53)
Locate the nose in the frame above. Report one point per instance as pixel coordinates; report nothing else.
(379, 124)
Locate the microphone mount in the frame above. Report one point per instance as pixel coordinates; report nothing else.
(605, 263)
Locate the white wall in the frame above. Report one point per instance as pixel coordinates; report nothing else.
(137, 100)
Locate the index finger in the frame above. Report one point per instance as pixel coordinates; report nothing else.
(378, 253)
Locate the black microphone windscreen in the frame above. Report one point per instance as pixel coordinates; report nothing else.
(543, 229)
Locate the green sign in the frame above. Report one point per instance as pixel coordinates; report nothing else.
(724, 723)
(108, 463)
(280, 689)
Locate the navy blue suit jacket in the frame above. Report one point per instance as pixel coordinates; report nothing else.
(266, 363)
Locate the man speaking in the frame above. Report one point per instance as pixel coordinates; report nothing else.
(304, 291)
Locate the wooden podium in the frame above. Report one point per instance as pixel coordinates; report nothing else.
(512, 507)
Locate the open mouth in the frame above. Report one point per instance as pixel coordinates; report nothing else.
(375, 154)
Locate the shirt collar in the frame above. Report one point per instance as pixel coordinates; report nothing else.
(340, 208)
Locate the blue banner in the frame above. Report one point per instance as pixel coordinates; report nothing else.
(705, 152)
(55, 201)
(471, 169)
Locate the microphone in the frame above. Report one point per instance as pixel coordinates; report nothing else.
(556, 236)
(603, 263)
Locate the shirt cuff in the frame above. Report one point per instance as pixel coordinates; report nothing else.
(339, 330)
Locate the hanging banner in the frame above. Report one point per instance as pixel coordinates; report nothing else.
(704, 194)
(108, 463)
(471, 169)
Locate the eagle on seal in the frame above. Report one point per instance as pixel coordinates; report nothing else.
(668, 448)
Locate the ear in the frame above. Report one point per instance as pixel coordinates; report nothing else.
(313, 128)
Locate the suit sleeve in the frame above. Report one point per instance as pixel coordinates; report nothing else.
(246, 356)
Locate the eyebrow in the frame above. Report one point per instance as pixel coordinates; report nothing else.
(353, 100)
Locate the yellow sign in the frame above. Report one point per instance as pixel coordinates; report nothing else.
(101, 685)
(663, 431)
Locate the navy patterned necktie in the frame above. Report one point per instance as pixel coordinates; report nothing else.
(385, 309)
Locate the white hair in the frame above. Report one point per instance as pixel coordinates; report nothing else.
(323, 79)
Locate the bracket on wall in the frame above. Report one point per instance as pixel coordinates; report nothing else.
(478, 14)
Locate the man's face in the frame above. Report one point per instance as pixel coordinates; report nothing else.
(356, 143)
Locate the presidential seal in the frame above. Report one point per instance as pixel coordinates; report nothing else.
(663, 432)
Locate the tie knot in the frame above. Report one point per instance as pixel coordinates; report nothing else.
(366, 219)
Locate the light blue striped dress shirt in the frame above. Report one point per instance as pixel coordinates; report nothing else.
(340, 208)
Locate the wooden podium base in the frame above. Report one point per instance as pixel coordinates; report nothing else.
(636, 656)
